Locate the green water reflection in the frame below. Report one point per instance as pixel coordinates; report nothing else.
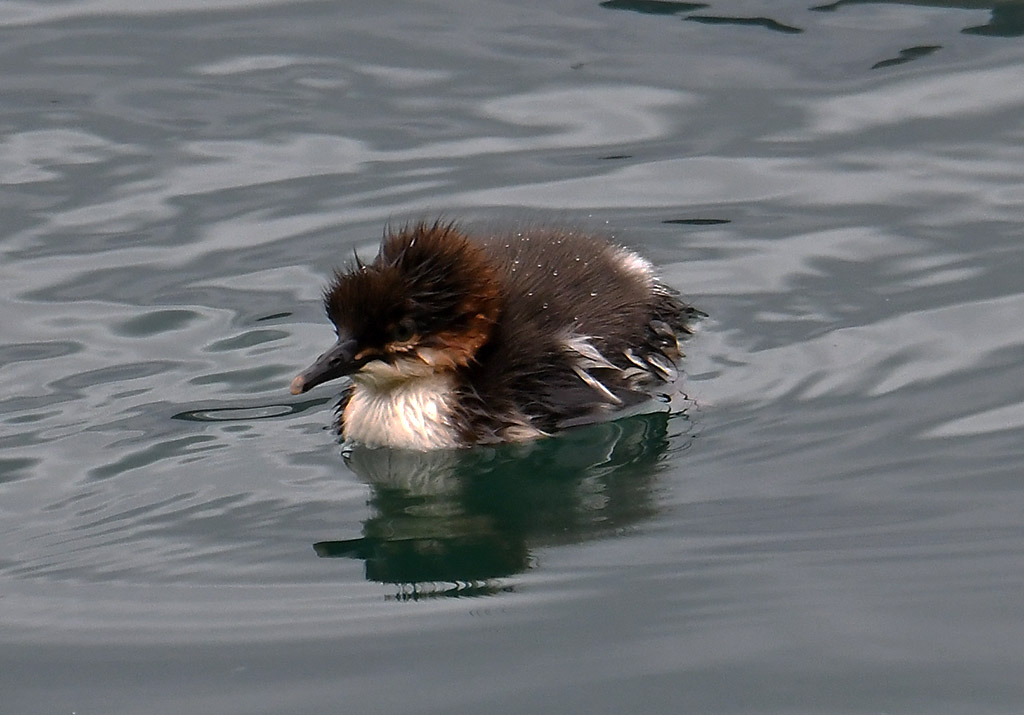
(454, 523)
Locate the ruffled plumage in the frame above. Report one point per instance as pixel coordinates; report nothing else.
(496, 338)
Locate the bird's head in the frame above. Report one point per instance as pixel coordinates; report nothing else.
(426, 304)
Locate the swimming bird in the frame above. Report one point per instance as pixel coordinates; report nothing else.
(451, 340)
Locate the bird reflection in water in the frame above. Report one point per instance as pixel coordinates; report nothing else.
(457, 522)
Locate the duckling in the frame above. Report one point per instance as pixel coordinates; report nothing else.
(451, 340)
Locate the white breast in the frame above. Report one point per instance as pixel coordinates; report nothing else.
(410, 413)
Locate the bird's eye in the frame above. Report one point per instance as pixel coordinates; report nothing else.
(404, 330)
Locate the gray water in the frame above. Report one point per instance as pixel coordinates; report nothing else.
(830, 523)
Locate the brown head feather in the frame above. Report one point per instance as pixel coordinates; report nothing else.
(429, 291)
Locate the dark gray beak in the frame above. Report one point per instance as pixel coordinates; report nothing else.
(338, 361)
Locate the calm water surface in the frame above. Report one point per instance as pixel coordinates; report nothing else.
(830, 523)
